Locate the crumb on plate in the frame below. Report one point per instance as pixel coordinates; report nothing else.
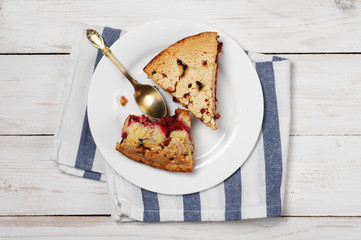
(123, 100)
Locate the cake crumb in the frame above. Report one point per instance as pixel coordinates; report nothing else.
(123, 100)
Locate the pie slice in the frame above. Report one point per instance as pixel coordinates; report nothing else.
(166, 143)
(188, 71)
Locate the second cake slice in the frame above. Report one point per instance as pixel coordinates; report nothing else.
(166, 143)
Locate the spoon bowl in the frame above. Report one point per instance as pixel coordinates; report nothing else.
(150, 101)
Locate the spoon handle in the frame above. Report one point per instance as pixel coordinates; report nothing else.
(98, 42)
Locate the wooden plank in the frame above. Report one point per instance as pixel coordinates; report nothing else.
(31, 184)
(105, 228)
(323, 178)
(263, 26)
(325, 93)
(29, 97)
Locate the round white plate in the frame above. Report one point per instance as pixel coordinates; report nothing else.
(217, 153)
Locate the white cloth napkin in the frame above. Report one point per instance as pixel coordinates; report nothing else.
(255, 190)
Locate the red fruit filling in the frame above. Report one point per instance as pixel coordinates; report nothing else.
(219, 50)
(124, 135)
(168, 124)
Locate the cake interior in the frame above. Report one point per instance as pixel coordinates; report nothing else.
(166, 143)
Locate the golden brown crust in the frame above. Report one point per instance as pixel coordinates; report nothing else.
(158, 157)
(187, 70)
(171, 153)
(159, 55)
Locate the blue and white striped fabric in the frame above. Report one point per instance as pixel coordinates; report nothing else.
(255, 190)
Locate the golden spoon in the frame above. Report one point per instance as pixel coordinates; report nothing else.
(147, 97)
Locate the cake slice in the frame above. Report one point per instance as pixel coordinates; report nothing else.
(188, 71)
(166, 143)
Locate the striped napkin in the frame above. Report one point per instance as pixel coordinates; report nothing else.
(255, 190)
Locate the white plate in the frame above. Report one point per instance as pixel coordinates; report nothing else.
(217, 153)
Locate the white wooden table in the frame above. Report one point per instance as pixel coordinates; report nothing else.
(323, 40)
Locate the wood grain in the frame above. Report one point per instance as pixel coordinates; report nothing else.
(31, 184)
(30, 92)
(106, 228)
(263, 26)
(325, 94)
(323, 178)
(324, 167)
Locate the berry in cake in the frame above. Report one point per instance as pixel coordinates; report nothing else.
(188, 71)
(166, 143)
